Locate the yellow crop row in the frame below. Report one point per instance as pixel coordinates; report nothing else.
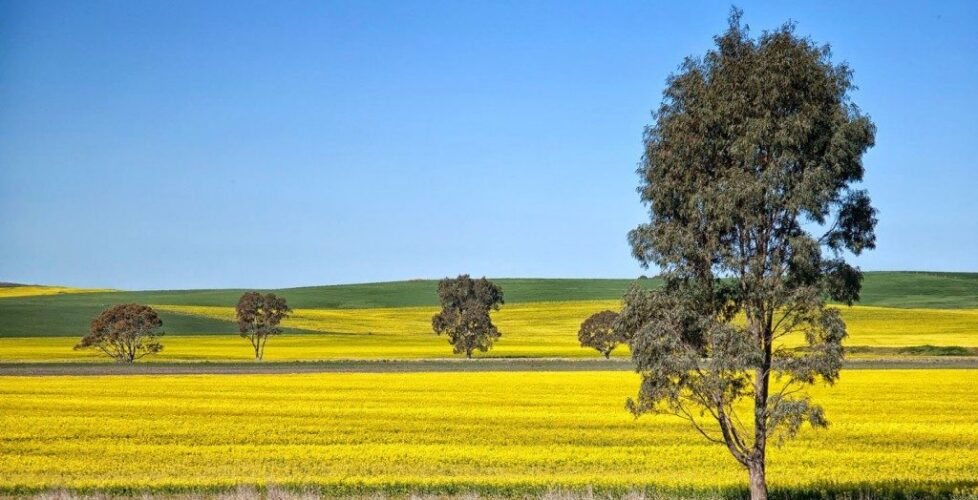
(294, 347)
(32, 290)
(488, 430)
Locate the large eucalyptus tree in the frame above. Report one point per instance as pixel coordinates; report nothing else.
(466, 305)
(750, 173)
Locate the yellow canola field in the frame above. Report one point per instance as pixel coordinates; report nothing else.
(867, 326)
(532, 319)
(892, 327)
(499, 431)
(541, 329)
(296, 347)
(32, 290)
(544, 329)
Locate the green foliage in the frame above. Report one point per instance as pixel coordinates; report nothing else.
(125, 332)
(464, 316)
(259, 316)
(753, 144)
(598, 332)
(934, 350)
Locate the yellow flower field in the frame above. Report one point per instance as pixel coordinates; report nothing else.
(300, 347)
(868, 326)
(32, 290)
(545, 329)
(892, 327)
(502, 431)
(530, 319)
(541, 329)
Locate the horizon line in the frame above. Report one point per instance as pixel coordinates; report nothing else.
(407, 280)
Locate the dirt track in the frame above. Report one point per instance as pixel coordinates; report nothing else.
(428, 365)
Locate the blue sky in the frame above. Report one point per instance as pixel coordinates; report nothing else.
(185, 144)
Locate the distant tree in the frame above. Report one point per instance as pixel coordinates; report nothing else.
(258, 318)
(125, 332)
(464, 316)
(755, 147)
(598, 332)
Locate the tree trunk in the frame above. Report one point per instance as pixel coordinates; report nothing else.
(758, 483)
(762, 383)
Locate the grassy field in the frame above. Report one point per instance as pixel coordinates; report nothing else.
(920, 290)
(536, 329)
(501, 432)
(69, 314)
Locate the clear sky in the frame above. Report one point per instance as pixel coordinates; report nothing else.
(184, 144)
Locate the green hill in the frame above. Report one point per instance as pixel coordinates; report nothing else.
(920, 289)
(69, 314)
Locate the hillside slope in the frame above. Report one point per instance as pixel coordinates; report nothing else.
(920, 289)
(69, 314)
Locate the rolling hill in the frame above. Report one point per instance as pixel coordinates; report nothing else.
(69, 314)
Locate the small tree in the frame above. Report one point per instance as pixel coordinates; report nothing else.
(598, 332)
(258, 318)
(464, 316)
(125, 332)
(749, 173)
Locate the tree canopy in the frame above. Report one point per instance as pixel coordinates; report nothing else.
(125, 332)
(464, 316)
(258, 317)
(750, 174)
(598, 332)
